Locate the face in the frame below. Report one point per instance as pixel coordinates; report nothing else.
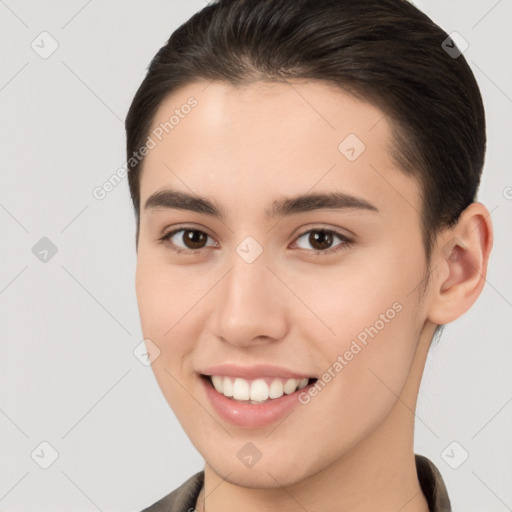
(272, 287)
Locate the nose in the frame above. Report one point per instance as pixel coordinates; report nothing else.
(250, 304)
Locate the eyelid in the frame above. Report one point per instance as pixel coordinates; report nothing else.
(342, 232)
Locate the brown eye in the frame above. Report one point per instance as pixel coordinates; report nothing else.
(186, 239)
(194, 239)
(321, 240)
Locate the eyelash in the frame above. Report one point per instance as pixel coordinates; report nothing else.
(347, 242)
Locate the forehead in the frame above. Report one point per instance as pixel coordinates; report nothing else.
(275, 139)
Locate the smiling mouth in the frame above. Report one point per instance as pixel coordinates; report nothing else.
(256, 391)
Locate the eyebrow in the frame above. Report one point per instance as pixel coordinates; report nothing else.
(174, 199)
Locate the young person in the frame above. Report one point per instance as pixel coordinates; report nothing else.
(304, 175)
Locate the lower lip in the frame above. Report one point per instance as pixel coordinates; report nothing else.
(252, 415)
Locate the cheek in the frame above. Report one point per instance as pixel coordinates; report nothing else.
(147, 288)
(161, 295)
(169, 302)
(370, 325)
(347, 299)
(161, 308)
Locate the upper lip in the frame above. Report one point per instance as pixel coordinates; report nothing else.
(253, 372)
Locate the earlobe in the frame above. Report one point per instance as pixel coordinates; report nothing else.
(461, 257)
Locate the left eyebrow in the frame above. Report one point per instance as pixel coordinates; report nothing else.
(174, 199)
(319, 201)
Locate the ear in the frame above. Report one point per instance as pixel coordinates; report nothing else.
(460, 263)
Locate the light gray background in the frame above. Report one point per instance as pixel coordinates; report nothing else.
(69, 326)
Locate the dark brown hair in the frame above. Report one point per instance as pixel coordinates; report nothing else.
(386, 52)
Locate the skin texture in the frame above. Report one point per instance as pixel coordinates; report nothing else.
(351, 446)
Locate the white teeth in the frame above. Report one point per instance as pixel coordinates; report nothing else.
(227, 387)
(241, 389)
(290, 386)
(258, 390)
(276, 389)
(217, 382)
(303, 383)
